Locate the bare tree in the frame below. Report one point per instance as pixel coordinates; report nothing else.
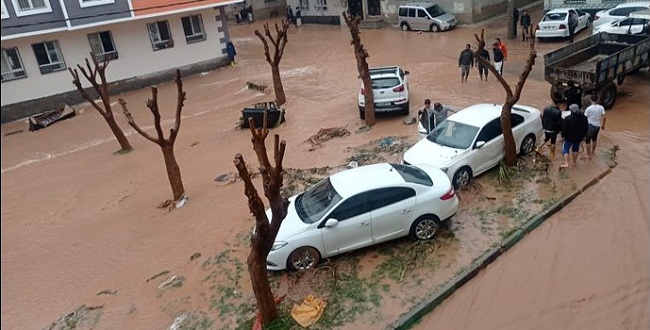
(511, 98)
(101, 87)
(166, 145)
(265, 232)
(361, 55)
(279, 42)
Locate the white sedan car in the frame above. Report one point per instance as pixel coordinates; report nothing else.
(555, 23)
(359, 207)
(470, 141)
(619, 12)
(634, 24)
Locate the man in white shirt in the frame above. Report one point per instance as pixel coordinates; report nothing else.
(596, 117)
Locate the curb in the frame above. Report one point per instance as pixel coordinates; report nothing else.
(407, 320)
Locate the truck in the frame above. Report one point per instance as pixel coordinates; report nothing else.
(598, 64)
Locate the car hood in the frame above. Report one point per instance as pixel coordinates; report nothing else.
(427, 152)
(291, 225)
(446, 17)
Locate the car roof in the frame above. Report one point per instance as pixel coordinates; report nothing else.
(633, 4)
(560, 10)
(480, 114)
(383, 71)
(364, 178)
(418, 4)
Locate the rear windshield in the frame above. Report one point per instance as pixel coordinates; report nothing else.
(388, 82)
(413, 174)
(554, 17)
(435, 11)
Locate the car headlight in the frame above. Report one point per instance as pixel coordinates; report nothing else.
(278, 245)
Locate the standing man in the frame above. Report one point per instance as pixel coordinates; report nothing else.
(596, 118)
(498, 57)
(574, 130)
(440, 113)
(465, 61)
(573, 23)
(515, 19)
(552, 125)
(485, 54)
(503, 48)
(525, 25)
(573, 94)
(289, 14)
(298, 16)
(426, 118)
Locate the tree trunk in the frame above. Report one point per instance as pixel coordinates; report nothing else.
(369, 97)
(280, 98)
(512, 24)
(508, 139)
(117, 131)
(257, 270)
(173, 171)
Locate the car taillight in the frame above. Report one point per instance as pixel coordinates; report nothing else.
(363, 91)
(449, 194)
(399, 88)
(562, 26)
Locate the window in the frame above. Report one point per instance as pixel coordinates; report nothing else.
(421, 13)
(403, 11)
(49, 57)
(304, 4)
(5, 13)
(379, 198)
(193, 28)
(160, 35)
(411, 12)
(351, 207)
(90, 3)
(515, 120)
(267, 1)
(413, 174)
(31, 7)
(321, 5)
(12, 65)
(490, 131)
(102, 46)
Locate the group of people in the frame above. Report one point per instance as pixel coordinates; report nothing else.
(576, 127)
(430, 117)
(466, 60)
(295, 19)
(243, 15)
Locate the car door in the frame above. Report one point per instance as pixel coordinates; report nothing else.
(353, 229)
(392, 212)
(583, 19)
(423, 19)
(488, 155)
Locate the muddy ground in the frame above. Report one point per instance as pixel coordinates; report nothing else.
(83, 242)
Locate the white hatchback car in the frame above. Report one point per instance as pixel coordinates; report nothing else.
(390, 89)
(470, 141)
(619, 12)
(359, 207)
(555, 23)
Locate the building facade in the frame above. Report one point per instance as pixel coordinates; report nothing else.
(145, 40)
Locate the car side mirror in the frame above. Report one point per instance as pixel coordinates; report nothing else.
(406, 72)
(331, 222)
(480, 144)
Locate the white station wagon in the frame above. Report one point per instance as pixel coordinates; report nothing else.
(470, 141)
(360, 207)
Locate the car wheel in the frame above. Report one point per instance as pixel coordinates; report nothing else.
(527, 145)
(362, 113)
(405, 109)
(607, 95)
(302, 258)
(405, 27)
(462, 177)
(434, 28)
(424, 228)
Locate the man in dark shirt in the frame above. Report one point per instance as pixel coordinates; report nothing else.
(498, 57)
(525, 25)
(465, 61)
(552, 125)
(574, 130)
(573, 94)
(482, 69)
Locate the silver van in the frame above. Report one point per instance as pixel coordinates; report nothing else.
(424, 16)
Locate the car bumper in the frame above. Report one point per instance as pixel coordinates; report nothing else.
(551, 34)
(277, 260)
(388, 106)
(449, 209)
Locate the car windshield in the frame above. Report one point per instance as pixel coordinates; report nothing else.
(316, 201)
(380, 83)
(453, 134)
(554, 17)
(413, 174)
(435, 11)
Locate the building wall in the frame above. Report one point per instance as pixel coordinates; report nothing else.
(93, 14)
(136, 57)
(262, 9)
(31, 23)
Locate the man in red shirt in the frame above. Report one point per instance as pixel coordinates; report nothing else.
(503, 48)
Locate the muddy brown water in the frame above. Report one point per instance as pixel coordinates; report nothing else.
(78, 219)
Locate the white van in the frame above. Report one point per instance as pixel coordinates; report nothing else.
(424, 16)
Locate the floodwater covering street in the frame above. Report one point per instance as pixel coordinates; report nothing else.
(80, 224)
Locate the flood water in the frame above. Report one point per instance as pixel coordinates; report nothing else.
(78, 219)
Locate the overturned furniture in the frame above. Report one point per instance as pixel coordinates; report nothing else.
(275, 115)
(47, 118)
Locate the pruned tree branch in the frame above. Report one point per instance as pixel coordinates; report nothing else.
(180, 102)
(266, 46)
(129, 119)
(490, 66)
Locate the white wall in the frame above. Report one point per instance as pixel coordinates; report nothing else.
(136, 56)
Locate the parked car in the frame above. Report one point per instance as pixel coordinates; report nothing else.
(635, 23)
(555, 23)
(424, 16)
(619, 12)
(390, 89)
(360, 207)
(470, 141)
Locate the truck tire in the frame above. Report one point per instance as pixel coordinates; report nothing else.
(556, 94)
(607, 95)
